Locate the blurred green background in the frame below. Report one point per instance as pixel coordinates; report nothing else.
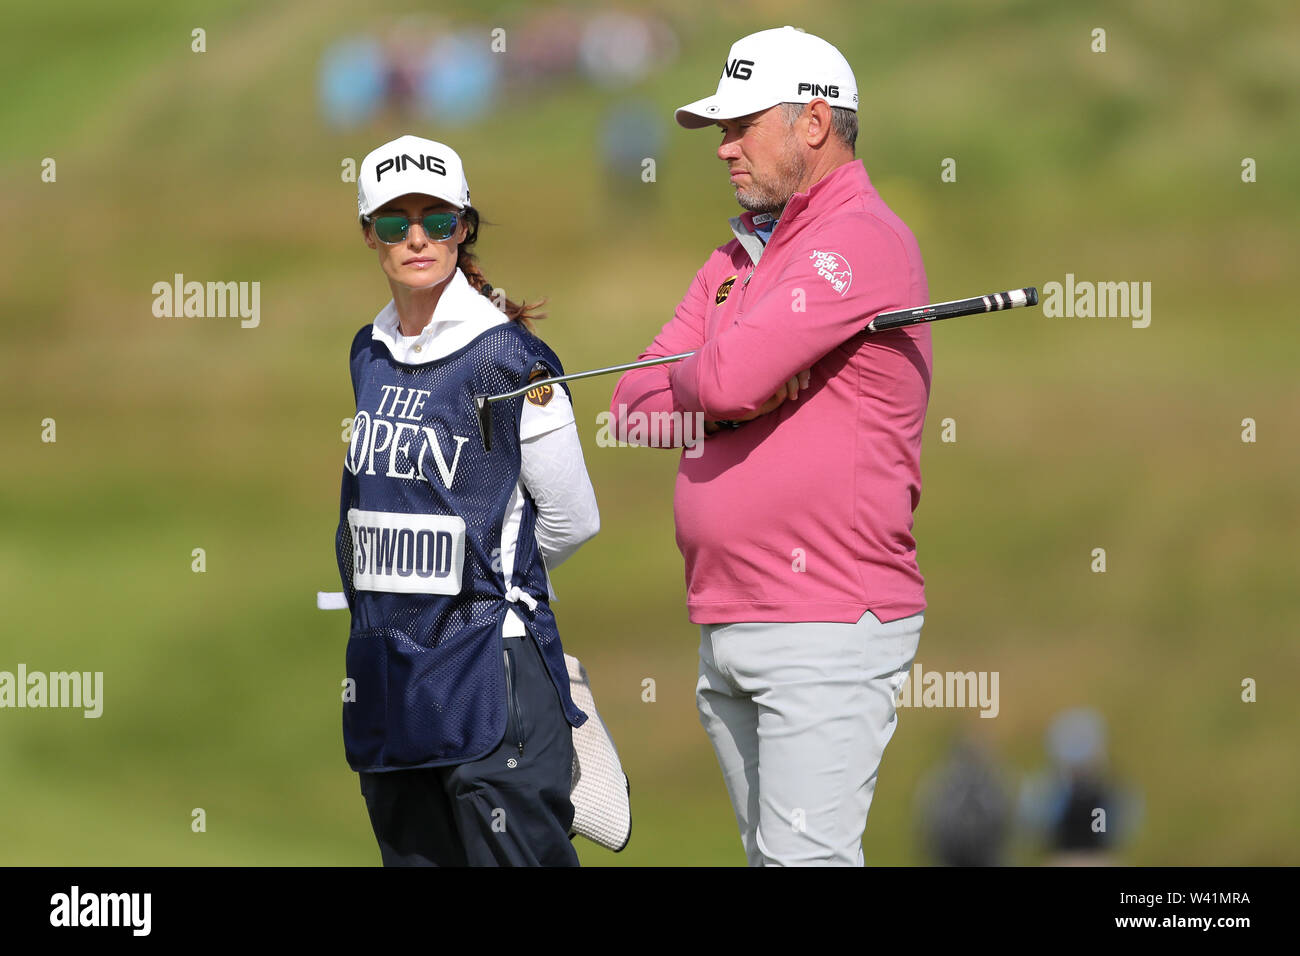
(222, 688)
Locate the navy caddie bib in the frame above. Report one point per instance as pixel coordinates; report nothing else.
(419, 544)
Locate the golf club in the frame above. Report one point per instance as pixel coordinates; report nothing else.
(883, 322)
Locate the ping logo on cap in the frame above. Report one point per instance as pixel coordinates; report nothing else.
(738, 69)
(816, 89)
(400, 162)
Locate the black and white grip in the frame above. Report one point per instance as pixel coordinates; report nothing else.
(993, 302)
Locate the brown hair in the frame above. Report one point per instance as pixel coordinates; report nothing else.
(522, 312)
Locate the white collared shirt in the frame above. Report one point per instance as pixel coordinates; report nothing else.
(552, 469)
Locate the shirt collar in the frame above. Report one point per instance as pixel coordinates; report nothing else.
(742, 227)
(450, 308)
(851, 175)
(461, 314)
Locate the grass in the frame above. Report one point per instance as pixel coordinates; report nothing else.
(221, 687)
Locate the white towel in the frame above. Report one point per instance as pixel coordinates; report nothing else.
(601, 804)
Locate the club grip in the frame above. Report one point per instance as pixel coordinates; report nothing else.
(993, 302)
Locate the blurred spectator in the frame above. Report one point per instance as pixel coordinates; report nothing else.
(459, 77)
(424, 69)
(1074, 807)
(352, 81)
(544, 47)
(964, 809)
(403, 53)
(630, 133)
(620, 48)
(615, 48)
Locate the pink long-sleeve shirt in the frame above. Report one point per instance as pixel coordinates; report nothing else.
(805, 513)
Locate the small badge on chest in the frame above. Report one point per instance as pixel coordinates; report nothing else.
(724, 290)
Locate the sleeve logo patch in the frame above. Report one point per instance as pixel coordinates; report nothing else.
(834, 268)
(724, 290)
(542, 394)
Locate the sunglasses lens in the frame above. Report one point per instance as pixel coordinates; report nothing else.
(391, 228)
(440, 225)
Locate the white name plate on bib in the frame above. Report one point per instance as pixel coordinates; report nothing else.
(407, 553)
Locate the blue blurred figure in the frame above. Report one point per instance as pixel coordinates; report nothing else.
(631, 133)
(1074, 807)
(459, 80)
(353, 81)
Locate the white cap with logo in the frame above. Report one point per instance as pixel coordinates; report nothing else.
(770, 67)
(410, 164)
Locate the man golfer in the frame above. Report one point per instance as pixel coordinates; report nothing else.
(795, 519)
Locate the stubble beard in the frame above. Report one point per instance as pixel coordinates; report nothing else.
(770, 195)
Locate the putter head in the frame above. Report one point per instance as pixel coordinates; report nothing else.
(484, 420)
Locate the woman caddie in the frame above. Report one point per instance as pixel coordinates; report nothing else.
(460, 719)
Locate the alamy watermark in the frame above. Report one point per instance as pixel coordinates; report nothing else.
(208, 300)
(924, 688)
(84, 689)
(77, 909)
(652, 430)
(1084, 300)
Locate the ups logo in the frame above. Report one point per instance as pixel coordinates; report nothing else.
(724, 290)
(541, 394)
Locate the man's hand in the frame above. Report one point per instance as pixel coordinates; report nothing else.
(790, 390)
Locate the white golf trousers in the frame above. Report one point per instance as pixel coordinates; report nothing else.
(799, 716)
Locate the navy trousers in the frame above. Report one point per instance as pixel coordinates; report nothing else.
(510, 808)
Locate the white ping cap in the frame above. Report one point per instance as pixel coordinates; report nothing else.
(410, 164)
(770, 67)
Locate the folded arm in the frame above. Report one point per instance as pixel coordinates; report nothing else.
(791, 325)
